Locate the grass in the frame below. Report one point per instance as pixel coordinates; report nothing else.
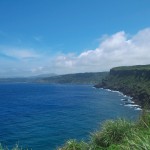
(74, 145)
(16, 147)
(117, 134)
(113, 132)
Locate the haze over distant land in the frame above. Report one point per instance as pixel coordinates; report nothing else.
(43, 37)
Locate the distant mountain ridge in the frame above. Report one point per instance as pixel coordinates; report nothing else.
(131, 80)
(77, 78)
(25, 79)
(44, 75)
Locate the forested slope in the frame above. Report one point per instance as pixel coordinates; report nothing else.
(78, 78)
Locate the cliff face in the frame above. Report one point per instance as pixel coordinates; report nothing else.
(133, 81)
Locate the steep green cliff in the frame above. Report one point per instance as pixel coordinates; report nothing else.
(131, 80)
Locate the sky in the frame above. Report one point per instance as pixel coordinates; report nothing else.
(72, 36)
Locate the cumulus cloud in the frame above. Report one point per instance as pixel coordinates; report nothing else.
(118, 49)
(114, 50)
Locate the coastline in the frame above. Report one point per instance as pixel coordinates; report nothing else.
(128, 100)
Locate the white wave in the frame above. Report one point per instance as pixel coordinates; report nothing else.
(109, 90)
(123, 99)
(138, 108)
(116, 92)
(121, 94)
(132, 105)
(130, 97)
(129, 101)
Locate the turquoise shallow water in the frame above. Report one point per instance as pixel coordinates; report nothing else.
(44, 116)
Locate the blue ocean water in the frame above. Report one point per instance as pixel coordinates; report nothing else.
(44, 116)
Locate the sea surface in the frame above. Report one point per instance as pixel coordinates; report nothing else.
(44, 116)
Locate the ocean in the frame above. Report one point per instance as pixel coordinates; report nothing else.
(44, 116)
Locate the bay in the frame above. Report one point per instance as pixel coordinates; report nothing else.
(44, 116)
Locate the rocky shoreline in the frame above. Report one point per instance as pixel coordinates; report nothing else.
(137, 98)
(133, 81)
(127, 100)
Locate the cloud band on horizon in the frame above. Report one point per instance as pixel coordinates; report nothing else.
(119, 49)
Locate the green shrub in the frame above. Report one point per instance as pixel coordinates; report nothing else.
(139, 141)
(112, 132)
(114, 147)
(74, 145)
(16, 147)
(144, 120)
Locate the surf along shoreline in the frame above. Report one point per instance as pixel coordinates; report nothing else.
(128, 101)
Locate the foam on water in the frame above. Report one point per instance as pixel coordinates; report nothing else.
(128, 102)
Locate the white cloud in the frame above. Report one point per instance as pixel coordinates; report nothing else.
(114, 50)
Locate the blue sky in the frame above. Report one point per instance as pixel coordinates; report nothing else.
(69, 36)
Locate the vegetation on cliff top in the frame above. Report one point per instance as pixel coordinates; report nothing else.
(136, 67)
(77, 78)
(16, 147)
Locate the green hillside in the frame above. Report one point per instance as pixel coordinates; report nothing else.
(78, 78)
(136, 67)
(131, 80)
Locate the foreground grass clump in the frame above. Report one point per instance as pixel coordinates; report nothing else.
(117, 135)
(112, 132)
(16, 147)
(74, 145)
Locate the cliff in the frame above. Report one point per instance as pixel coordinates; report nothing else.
(131, 80)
